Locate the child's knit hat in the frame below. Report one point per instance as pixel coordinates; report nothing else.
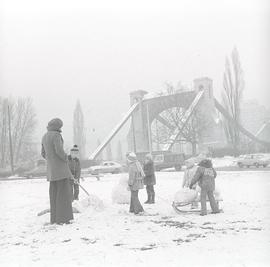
(206, 163)
(131, 157)
(75, 148)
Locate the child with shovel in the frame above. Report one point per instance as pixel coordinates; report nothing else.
(75, 168)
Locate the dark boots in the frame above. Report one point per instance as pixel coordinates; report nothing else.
(152, 198)
(148, 199)
(150, 194)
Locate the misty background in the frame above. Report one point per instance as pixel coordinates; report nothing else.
(58, 52)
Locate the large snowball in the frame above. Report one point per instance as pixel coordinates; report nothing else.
(120, 193)
(185, 195)
(91, 201)
(217, 194)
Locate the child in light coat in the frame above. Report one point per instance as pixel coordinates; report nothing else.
(135, 182)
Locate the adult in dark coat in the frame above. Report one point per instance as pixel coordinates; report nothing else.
(58, 173)
(135, 182)
(149, 179)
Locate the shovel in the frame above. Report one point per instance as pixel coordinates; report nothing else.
(73, 208)
(76, 182)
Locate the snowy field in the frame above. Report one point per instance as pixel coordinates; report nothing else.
(238, 237)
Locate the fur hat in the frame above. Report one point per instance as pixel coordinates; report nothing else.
(55, 125)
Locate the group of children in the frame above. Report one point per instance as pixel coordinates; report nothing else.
(203, 175)
(140, 175)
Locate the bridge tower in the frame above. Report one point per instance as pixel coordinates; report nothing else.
(213, 133)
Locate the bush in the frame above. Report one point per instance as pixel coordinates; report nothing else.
(4, 172)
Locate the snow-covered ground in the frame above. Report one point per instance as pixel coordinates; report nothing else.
(238, 237)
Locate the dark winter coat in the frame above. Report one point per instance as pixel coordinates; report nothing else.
(205, 175)
(75, 167)
(53, 151)
(149, 171)
(135, 180)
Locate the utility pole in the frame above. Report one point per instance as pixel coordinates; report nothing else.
(10, 142)
(149, 130)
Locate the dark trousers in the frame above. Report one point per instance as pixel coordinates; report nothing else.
(135, 205)
(75, 189)
(210, 193)
(60, 201)
(150, 193)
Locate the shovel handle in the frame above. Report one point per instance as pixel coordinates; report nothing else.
(76, 182)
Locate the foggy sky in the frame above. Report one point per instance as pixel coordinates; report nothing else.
(98, 51)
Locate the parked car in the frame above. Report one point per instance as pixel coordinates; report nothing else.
(255, 160)
(106, 167)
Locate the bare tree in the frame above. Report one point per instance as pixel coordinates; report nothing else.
(193, 130)
(4, 130)
(25, 124)
(22, 126)
(172, 119)
(78, 129)
(233, 85)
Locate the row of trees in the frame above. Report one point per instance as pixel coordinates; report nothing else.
(17, 126)
(18, 123)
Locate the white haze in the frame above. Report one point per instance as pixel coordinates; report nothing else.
(98, 51)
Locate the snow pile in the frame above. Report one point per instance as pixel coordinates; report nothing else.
(240, 236)
(120, 193)
(217, 194)
(91, 201)
(185, 195)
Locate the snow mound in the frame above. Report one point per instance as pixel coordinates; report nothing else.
(120, 194)
(185, 195)
(91, 201)
(217, 194)
(123, 180)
